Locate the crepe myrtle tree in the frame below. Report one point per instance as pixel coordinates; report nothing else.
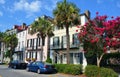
(99, 34)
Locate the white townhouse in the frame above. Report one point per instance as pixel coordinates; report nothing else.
(58, 44)
(19, 53)
(20, 31)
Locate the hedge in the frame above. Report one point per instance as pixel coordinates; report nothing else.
(69, 68)
(94, 71)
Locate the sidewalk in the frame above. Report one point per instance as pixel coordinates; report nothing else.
(66, 75)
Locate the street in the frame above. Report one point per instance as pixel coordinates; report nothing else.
(8, 72)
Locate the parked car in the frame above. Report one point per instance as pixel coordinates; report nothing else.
(41, 67)
(16, 64)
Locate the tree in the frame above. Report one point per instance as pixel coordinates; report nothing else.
(66, 15)
(100, 34)
(11, 41)
(45, 29)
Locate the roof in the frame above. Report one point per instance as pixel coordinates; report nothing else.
(21, 27)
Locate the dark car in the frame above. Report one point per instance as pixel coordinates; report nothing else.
(16, 64)
(41, 67)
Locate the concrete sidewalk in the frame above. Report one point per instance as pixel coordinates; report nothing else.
(65, 75)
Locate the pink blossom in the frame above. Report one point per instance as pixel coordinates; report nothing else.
(97, 13)
(112, 17)
(76, 30)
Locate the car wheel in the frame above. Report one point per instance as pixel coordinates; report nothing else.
(14, 67)
(38, 71)
(27, 69)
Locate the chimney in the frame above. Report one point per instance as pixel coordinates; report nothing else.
(87, 12)
(23, 25)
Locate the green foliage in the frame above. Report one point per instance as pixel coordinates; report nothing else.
(7, 54)
(91, 71)
(1, 36)
(106, 57)
(66, 14)
(105, 72)
(91, 57)
(73, 69)
(94, 71)
(111, 55)
(11, 41)
(49, 60)
(69, 68)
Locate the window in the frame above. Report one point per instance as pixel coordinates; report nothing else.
(75, 39)
(23, 33)
(77, 55)
(39, 42)
(33, 42)
(30, 42)
(22, 43)
(64, 41)
(56, 41)
(27, 43)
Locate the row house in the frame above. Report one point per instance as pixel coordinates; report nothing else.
(58, 43)
(19, 52)
(19, 30)
(29, 46)
(33, 45)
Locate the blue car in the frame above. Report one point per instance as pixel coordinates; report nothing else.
(41, 67)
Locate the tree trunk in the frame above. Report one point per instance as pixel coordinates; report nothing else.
(99, 59)
(11, 54)
(41, 52)
(68, 44)
(48, 47)
(43, 43)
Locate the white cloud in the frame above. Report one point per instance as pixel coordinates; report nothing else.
(1, 14)
(31, 7)
(51, 5)
(2, 1)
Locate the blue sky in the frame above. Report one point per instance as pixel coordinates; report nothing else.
(16, 12)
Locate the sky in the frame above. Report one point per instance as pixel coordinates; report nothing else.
(16, 12)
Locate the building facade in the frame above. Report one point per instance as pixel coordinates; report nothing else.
(17, 29)
(59, 44)
(19, 53)
(33, 47)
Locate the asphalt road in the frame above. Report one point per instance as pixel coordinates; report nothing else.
(8, 72)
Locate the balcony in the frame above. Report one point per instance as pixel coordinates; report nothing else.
(29, 48)
(34, 48)
(74, 45)
(64, 46)
(54, 47)
(20, 49)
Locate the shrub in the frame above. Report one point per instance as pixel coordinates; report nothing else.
(69, 68)
(105, 72)
(73, 69)
(60, 67)
(49, 60)
(94, 71)
(91, 71)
